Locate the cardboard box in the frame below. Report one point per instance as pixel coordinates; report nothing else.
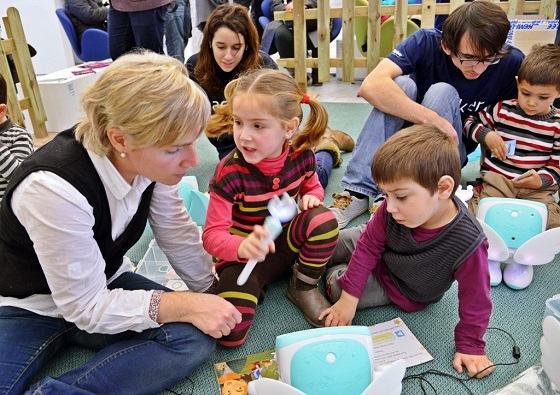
(525, 33)
(61, 92)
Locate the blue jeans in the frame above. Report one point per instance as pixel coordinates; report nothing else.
(178, 29)
(441, 98)
(141, 29)
(126, 363)
(325, 163)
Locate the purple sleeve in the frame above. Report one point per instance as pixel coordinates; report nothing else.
(367, 255)
(475, 304)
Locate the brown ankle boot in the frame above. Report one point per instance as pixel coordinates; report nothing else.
(341, 139)
(311, 302)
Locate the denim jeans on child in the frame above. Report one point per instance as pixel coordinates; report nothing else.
(126, 363)
(441, 98)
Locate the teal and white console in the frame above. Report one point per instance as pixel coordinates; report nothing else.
(329, 361)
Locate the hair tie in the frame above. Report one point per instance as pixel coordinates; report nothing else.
(305, 98)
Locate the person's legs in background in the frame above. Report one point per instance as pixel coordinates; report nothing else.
(121, 38)
(357, 181)
(178, 29)
(148, 28)
(328, 150)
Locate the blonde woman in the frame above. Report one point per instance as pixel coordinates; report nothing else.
(71, 212)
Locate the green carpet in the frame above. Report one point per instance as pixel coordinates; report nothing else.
(518, 312)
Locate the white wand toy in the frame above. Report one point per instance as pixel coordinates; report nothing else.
(281, 210)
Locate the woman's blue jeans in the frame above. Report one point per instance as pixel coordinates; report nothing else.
(442, 98)
(126, 363)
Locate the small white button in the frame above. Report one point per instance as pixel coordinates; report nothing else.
(331, 358)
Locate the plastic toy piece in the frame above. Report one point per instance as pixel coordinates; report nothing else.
(464, 194)
(550, 348)
(497, 252)
(540, 249)
(281, 210)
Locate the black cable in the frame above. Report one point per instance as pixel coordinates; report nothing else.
(191, 392)
(516, 353)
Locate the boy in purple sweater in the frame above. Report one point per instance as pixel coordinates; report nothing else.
(421, 239)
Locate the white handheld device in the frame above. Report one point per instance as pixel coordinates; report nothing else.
(281, 210)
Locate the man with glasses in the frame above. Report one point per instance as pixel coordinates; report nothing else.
(434, 78)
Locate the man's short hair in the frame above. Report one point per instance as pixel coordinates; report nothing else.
(486, 24)
(541, 66)
(419, 153)
(3, 90)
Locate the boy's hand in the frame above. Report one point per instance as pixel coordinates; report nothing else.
(309, 201)
(532, 182)
(253, 247)
(342, 312)
(473, 363)
(496, 145)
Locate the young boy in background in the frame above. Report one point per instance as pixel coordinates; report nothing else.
(421, 239)
(521, 137)
(16, 143)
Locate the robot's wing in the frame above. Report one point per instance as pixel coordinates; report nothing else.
(497, 249)
(540, 249)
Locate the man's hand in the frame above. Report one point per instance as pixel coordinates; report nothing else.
(474, 364)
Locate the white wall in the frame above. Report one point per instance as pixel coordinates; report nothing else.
(44, 32)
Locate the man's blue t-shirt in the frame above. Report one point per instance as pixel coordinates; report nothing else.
(421, 56)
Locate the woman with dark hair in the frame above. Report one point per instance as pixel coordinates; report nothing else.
(230, 46)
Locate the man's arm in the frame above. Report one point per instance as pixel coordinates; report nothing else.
(380, 90)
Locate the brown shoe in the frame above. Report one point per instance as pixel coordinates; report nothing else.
(341, 139)
(311, 302)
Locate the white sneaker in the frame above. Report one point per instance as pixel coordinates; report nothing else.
(346, 207)
(376, 203)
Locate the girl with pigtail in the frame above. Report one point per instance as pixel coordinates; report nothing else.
(272, 156)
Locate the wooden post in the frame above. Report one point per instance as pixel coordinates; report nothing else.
(17, 46)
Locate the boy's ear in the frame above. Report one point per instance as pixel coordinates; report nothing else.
(446, 186)
(3, 110)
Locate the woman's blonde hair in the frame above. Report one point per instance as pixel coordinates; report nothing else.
(147, 96)
(284, 104)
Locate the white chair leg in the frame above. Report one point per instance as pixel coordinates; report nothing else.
(518, 276)
(495, 272)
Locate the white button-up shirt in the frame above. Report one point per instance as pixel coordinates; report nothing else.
(60, 222)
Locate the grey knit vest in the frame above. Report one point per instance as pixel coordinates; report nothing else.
(423, 271)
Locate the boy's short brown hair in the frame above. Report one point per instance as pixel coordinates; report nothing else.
(3, 90)
(419, 153)
(541, 66)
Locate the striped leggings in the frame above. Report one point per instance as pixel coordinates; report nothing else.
(310, 238)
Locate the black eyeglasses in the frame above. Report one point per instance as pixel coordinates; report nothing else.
(473, 62)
